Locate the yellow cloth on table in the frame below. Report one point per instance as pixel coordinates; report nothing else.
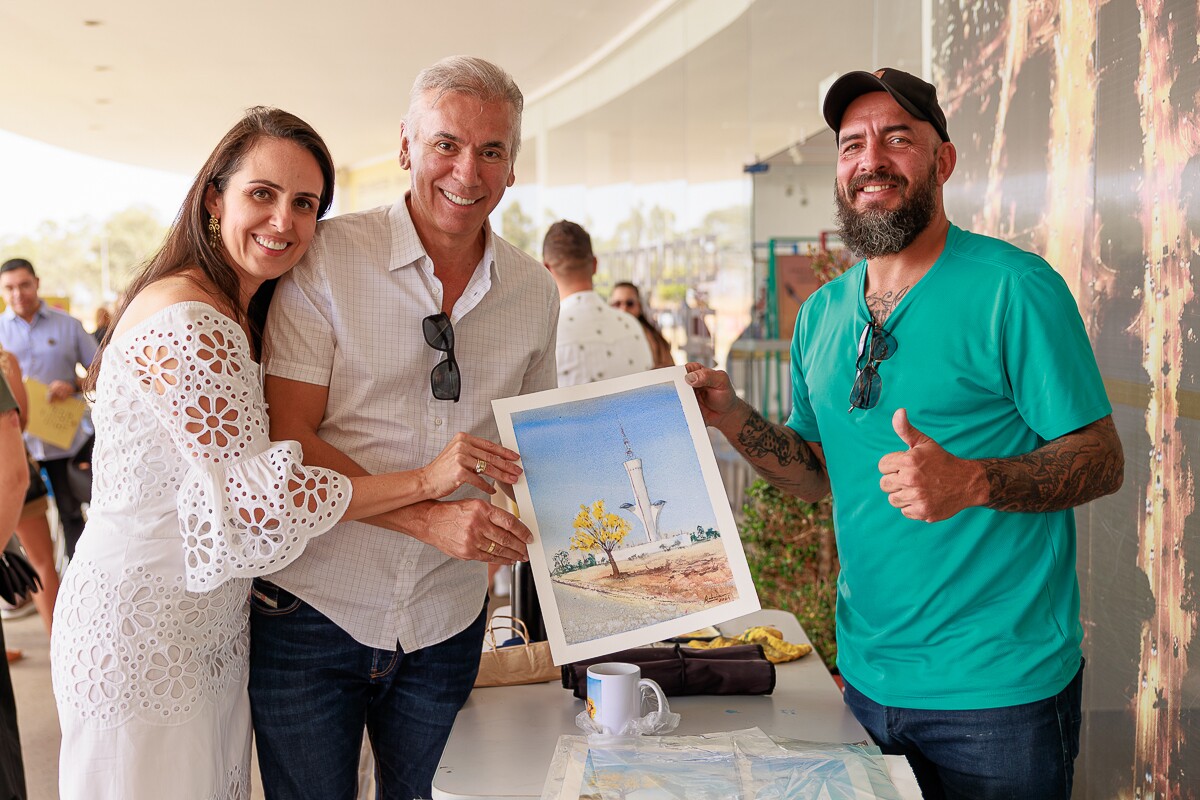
(774, 647)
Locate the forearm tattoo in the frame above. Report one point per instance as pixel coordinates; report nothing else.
(775, 450)
(1067, 472)
(882, 305)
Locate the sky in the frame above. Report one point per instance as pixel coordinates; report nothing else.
(591, 466)
(42, 182)
(601, 208)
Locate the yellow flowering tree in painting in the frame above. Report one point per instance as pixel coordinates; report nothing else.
(597, 529)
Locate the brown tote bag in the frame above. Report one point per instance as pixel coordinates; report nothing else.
(529, 662)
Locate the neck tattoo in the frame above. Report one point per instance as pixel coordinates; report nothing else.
(883, 304)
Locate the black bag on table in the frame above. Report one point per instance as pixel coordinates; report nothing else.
(680, 670)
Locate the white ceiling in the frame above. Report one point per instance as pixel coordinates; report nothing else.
(156, 83)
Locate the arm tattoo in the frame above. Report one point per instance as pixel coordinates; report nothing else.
(773, 450)
(1064, 473)
(881, 306)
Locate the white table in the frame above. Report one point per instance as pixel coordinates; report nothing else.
(504, 737)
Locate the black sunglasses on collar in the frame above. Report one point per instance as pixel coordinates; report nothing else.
(445, 380)
(875, 344)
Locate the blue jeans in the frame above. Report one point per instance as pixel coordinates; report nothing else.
(1026, 751)
(313, 688)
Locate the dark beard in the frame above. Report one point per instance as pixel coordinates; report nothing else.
(873, 233)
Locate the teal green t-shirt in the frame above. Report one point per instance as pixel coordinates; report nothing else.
(992, 360)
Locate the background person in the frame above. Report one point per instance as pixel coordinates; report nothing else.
(628, 298)
(103, 320)
(33, 529)
(977, 421)
(399, 328)
(49, 344)
(14, 480)
(594, 341)
(149, 648)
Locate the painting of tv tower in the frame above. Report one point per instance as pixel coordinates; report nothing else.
(595, 457)
(642, 507)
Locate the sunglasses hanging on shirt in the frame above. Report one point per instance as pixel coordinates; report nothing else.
(874, 345)
(445, 380)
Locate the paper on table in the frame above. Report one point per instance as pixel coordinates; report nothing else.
(735, 764)
(55, 423)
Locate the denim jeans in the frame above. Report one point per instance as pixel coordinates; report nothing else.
(313, 688)
(1026, 751)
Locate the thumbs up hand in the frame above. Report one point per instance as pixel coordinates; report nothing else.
(924, 481)
(907, 432)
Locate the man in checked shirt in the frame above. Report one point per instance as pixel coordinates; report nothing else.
(398, 329)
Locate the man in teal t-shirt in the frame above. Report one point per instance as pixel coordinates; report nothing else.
(945, 390)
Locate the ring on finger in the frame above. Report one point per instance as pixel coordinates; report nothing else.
(480, 466)
(491, 548)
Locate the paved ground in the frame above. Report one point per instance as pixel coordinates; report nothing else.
(35, 705)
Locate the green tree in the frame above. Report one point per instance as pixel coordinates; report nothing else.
(729, 227)
(629, 232)
(85, 257)
(660, 225)
(60, 252)
(130, 237)
(517, 228)
(562, 562)
(597, 529)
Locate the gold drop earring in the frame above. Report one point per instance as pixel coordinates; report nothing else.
(214, 232)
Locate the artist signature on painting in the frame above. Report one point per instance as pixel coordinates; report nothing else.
(718, 597)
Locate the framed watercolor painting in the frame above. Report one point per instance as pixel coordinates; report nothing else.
(634, 540)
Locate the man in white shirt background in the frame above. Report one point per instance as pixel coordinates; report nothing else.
(595, 341)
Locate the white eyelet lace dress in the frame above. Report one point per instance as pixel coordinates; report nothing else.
(191, 500)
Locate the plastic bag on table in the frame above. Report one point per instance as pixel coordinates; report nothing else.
(711, 770)
(671, 769)
(797, 769)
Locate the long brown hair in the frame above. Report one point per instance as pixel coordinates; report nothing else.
(187, 245)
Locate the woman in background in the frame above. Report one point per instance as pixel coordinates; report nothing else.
(626, 297)
(103, 320)
(191, 498)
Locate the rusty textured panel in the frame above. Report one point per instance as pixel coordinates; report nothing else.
(1078, 129)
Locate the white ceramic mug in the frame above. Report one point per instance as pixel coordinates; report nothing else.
(614, 695)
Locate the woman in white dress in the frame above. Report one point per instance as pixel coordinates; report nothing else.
(191, 498)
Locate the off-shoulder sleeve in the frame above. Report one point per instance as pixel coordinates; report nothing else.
(248, 506)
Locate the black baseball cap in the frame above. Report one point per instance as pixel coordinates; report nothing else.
(913, 94)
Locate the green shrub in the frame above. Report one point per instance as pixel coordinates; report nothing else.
(793, 559)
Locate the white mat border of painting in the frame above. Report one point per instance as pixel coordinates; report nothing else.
(747, 596)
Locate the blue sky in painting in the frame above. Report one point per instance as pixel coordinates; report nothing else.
(573, 453)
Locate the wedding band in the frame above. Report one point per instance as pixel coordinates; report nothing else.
(480, 466)
(491, 548)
